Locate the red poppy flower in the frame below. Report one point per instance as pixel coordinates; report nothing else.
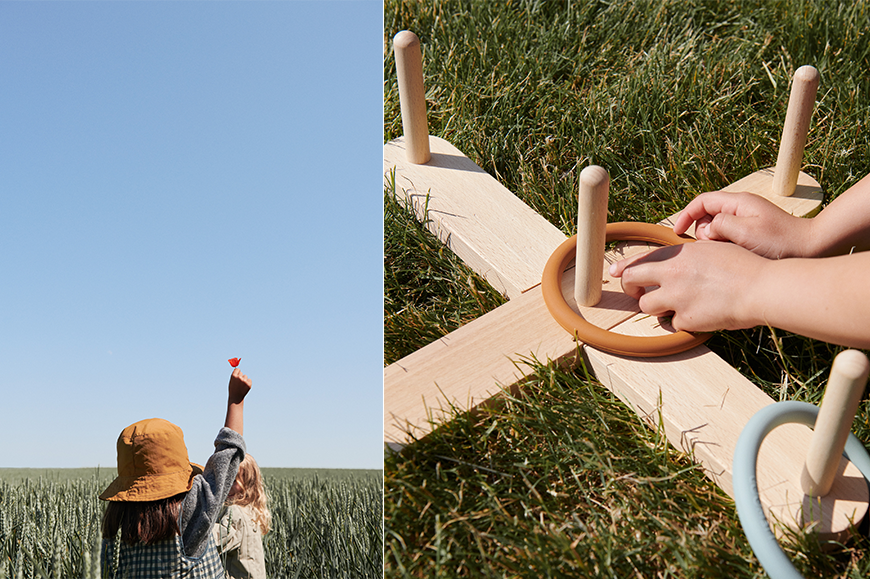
(234, 361)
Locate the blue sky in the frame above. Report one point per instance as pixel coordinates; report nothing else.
(183, 183)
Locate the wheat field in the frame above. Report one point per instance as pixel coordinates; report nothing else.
(324, 523)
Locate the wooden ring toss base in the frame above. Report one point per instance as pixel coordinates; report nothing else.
(573, 323)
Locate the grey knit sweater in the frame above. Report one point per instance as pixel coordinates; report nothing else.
(204, 500)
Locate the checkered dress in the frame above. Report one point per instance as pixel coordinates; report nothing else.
(161, 560)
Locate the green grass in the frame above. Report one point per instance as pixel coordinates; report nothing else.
(673, 98)
(325, 522)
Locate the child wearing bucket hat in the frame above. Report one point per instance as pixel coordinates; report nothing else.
(158, 523)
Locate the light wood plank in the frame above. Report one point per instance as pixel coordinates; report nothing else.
(439, 377)
(492, 230)
(464, 368)
(805, 202)
(702, 403)
(475, 362)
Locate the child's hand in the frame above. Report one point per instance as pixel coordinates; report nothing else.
(748, 220)
(240, 385)
(706, 286)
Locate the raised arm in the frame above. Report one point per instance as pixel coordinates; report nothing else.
(239, 387)
(209, 490)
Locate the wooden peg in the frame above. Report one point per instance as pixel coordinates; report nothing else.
(412, 98)
(794, 133)
(837, 412)
(591, 229)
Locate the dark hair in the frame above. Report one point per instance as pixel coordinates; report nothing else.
(143, 522)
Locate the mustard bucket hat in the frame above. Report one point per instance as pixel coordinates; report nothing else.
(152, 463)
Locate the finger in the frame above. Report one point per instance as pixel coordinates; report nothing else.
(617, 267)
(705, 204)
(726, 227)
(637, 278)
(654, 303)
(702, 228)
(684, 220)
(694, 211)
(647, 270)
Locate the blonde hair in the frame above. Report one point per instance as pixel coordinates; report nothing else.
(253, 493)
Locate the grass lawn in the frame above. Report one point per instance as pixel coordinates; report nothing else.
(673, 98)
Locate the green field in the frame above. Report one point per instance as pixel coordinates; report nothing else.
(326, 522)
(18, 475)
(673, 98)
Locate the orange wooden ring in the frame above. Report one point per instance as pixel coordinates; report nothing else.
(638, 346)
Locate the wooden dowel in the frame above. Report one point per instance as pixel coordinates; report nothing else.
(839, 405)
(412, 98)
(794, 132)
(591, 230)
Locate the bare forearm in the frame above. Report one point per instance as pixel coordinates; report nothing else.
(235, 416)
(825, 299)
(844, 225)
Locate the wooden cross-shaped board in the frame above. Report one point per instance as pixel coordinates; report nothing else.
(699, 400)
